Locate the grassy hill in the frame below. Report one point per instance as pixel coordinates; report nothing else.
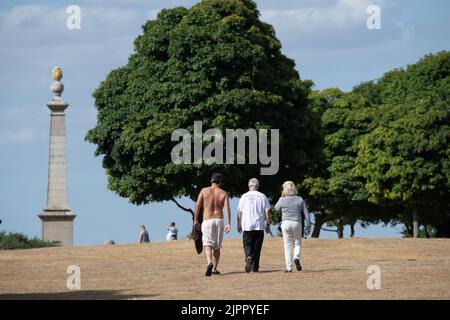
(333, 269)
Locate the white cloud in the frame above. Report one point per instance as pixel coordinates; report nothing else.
(19, 16)
(40, 19)
(18, 136)
(151, 14)
(35, 38)
(332, 25)
(341, 14)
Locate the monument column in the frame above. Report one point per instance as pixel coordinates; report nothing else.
(57, 219)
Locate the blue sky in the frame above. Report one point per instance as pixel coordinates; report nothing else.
(328, 39)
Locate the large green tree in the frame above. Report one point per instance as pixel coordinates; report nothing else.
(216, 62)
(405, 159)
(386, 156)
(337, 194)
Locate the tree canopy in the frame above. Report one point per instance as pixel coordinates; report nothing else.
(405, 158)
(374, 154)
(386, 151)
(216, 62)
(337, 193)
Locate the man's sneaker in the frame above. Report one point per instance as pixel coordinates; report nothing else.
(297, 265)
(209, 269)
(287, 271)
(248, 264)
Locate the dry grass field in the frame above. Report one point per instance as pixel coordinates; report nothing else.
(333, 269)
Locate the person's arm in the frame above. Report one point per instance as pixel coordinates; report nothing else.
(278, 204)
(308, 220)
(228, 214)
(141, 236)
(239, 216)
(267, 212)
(239, 227)
(198, 206)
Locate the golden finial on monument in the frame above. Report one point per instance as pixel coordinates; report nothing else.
(57, 87)
(57, 73)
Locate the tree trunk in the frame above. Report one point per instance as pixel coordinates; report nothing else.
(318, 223)
(415, 222)
(340, 230)
(352, 230)
(183, 208)
(200, 217)
(426, 232)
(408, 229)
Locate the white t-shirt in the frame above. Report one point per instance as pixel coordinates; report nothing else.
(253, 205)
(172, 234)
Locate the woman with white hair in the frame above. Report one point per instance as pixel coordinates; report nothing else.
(291, 206)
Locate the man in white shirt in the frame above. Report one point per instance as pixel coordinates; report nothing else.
(253, 218)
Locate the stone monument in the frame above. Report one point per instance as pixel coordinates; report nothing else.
(57, 219)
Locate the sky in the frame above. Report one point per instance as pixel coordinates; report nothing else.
(328, 39)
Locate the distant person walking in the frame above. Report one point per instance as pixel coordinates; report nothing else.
(173, 232)
(213, 199)
(143, 235)
(252, 219)
(291, 206)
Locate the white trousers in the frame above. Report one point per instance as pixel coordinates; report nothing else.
(292, 234)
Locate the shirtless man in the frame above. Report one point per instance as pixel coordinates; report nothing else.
(212, 199)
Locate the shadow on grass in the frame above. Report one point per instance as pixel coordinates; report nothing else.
(323, 270)
(77, 295)
(282, 271)
(243, 272)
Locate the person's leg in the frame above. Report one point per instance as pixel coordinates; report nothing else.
(216, 258)
(208, 254)
(258, 242)
(208, 230)
(209, 258)
(297, 235)
(287, 238)
(216, 251)
(247, 238)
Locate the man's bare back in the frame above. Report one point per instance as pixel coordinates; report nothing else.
(212, 200)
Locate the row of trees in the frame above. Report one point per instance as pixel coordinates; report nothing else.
(378, 153)
(387, 155)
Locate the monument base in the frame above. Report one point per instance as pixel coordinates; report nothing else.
(58, 226)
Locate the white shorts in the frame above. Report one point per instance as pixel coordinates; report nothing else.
(212, 230)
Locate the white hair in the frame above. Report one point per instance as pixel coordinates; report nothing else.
(253, 182)
(289, 188)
